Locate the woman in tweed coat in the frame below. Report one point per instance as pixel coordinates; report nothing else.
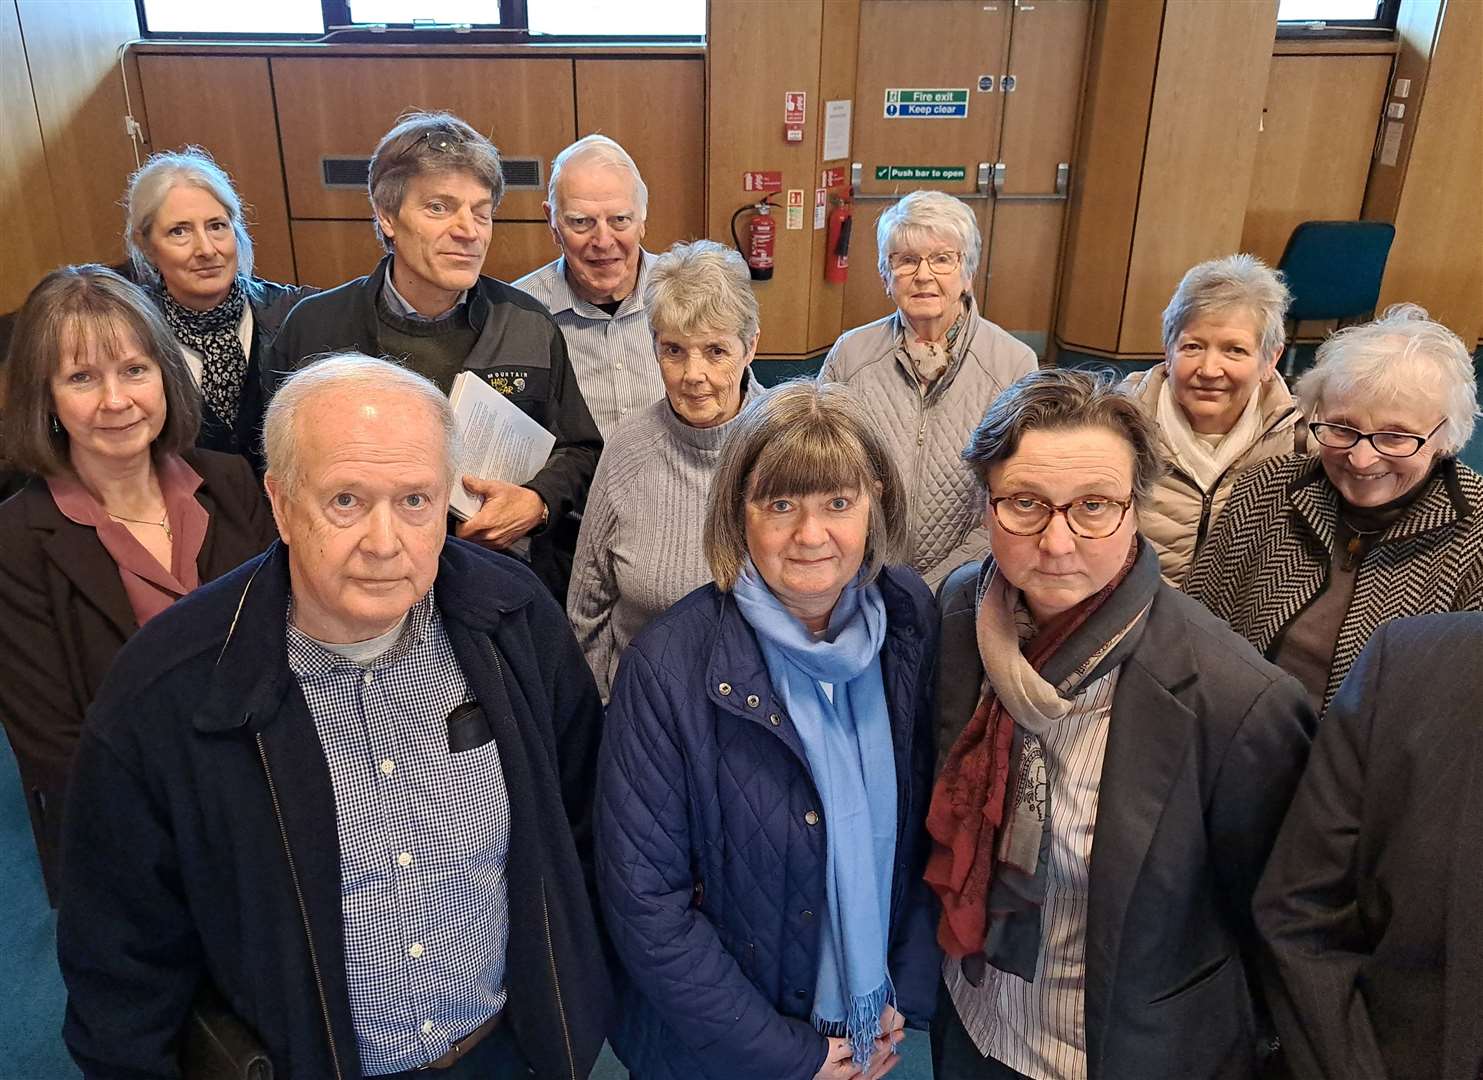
(1314, 554)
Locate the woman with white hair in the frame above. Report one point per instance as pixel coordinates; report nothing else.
(188, 245)
(640, 548)
(1220, 405)
(1314, 554)
(929, 370)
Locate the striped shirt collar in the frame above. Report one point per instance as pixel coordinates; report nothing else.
(399, 304)
(563, 298)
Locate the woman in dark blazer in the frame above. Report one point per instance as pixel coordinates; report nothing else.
(188, 245)
(1105, 805)
(122, 516)
(1370, 905)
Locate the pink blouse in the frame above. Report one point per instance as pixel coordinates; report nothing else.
(149, 586)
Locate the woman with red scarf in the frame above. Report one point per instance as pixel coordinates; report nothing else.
(1109, 789)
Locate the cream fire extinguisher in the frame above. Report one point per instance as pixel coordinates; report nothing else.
(761, 231)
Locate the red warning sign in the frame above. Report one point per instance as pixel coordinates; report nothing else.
(795, 107)
(831, 178)
(762, 181)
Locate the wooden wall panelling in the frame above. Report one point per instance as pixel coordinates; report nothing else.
(1107, 172)
(71, 49)
(1313, 153)
(756, 53)
(945, 44)
(340, 105)
(1201, 150)
(225, 104)
(1417, 24)
(1047, 56)
(332, 252)
(656, 110)
(1437, 257)
(837, 69)
(28, 214)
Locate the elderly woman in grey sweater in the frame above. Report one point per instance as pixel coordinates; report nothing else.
(929, 370)
(640, 548)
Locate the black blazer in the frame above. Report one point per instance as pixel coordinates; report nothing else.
(1373, 903)
(64, 615)
(1205, 745)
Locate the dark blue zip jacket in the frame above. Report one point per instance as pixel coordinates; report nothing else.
(201, 845)
(711, 844)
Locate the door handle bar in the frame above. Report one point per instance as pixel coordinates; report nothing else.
(1061, 194)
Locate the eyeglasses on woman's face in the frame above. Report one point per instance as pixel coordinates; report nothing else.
(1392, 444)
(1092, 517)
(905, 263)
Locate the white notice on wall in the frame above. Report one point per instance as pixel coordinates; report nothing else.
(499, 441)
(836, 129)
(1390, 148)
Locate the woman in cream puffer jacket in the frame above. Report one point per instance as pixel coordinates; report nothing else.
(1218, 400)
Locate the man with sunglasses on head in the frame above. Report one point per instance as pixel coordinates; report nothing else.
(434, 186)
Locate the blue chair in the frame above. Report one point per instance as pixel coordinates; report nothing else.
(1333, 269)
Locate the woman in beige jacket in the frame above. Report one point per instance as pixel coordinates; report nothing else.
(1218, 401)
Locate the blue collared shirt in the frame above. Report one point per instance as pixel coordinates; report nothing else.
(612, 355)
(424, 839)
(399, 304)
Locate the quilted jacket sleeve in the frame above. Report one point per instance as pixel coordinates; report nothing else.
(671, 952)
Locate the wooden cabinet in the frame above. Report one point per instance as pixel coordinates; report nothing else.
(1165, 163)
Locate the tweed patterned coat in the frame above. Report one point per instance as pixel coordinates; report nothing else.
(1270, 556)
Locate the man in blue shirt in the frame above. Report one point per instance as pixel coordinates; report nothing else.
(327, 783)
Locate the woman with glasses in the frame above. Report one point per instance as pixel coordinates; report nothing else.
(1113, 766)
(1314, 554)
(1220, 405)
(928, 371)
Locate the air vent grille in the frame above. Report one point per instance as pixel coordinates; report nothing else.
(521, 172)
(346, 172)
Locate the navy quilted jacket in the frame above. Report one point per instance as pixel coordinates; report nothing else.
(710, 844)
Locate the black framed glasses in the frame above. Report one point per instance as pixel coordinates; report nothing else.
(904, 264)
(1392, 444)
(1092, 517)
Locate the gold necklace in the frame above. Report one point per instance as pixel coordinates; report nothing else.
(163, 523)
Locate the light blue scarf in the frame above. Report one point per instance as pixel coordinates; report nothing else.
(848, 746)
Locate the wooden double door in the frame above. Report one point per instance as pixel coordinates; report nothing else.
(977, 98)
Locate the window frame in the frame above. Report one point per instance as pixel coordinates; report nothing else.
(1382, 26)
(513, 28)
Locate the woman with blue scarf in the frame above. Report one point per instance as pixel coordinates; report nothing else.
(766, 770)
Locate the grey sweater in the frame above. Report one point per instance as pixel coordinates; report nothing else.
(639, 549)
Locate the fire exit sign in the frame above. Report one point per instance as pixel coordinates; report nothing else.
(930, 104)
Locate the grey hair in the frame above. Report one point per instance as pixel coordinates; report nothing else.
(702, 285)
(1063, 399)
(598, 150)
(404, 153)
(150, 185)
(1233, 283)
(1400, 356)
(345, 371)
(928, 212)
(804, 438)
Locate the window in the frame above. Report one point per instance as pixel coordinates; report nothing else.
(1342, 16)
(430, 20)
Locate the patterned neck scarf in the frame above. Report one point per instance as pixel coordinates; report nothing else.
(929, 359)
(213, 334)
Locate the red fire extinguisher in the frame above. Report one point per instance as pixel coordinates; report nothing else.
(762, 231)
(837, 246)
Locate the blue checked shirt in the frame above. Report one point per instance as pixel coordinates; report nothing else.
(424, 838)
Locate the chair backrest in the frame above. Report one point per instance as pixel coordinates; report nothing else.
(1333, 268)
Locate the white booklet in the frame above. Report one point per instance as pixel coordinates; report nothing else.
(499, 441)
